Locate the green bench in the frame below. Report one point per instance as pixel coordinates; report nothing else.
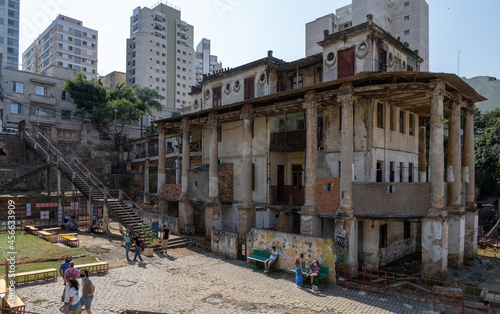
(260, 256)
(323, 272)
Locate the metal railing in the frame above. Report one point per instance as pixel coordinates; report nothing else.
(439, 294)
(198, 235)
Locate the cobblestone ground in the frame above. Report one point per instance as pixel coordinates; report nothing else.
(189, 281)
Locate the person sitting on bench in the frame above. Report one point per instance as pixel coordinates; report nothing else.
(94, 226)
(271, 259)
(314, 272)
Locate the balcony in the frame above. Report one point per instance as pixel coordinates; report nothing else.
(49, 100)
(288, 141)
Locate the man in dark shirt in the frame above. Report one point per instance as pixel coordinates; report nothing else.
(137, 244)
(164, 240)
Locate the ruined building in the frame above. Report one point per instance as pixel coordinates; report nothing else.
(334, 145)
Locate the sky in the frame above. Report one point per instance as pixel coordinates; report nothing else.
(242, 30)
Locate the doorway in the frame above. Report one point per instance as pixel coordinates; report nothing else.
(280, 198)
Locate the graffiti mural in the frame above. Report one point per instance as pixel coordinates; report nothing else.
(290, 245)
(341, 235)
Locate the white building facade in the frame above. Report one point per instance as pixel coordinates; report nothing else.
(9, 33)
(64, 43)
(406, 20)
(160, 55)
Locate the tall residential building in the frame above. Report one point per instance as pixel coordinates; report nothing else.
(9, 33)
(160, 55)
(406, 20)
(205, 63)
(65, 43)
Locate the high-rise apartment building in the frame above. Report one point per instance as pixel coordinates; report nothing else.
(9, 33)
(160, 55)
(406, 20)
(65, 43)
(205, 63)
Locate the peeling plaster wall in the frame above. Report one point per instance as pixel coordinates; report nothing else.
(225, 243)
(230, 217)
(397, 247)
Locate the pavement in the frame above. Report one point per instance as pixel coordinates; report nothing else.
(192, 280)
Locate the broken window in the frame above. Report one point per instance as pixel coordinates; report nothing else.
(410, 172)
(402, 121)
(380, 115)
(383, 236)
(407, 230)
(392, 172)
(379, 171)
(249, 88)
(217, 96)
(297, 177)
(382, 59)
(401, 171)
(294, 81)
(410, 125)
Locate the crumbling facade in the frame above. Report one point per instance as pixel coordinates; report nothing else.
(335, 146)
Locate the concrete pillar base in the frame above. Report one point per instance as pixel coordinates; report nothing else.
(370, 256)
(470, 242)
(310, 222)
(105, 218)
(213, 217)
(456, 236)
(346, 237)
(185, 212)
(434, 248)
(246, 217)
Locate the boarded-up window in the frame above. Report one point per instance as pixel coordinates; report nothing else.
(380, 115)
(382, 60)
(346, 63)
(249, 88)
(217, 96)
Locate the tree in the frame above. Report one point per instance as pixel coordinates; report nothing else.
(123, 103)
(483, 121)
(487, 157)
(90, 96)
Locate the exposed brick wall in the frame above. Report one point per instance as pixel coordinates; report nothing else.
(171, 190)
(406, 199)
(13, 148)
(283, 222)
(68, 135)
(226, 178)
(327, 201)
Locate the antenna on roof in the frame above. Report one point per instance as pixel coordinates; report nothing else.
(458, 64)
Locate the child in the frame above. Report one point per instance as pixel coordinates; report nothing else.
(308, 262)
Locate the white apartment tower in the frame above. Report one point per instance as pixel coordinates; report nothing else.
(407, 20)
(9, 33)
(65, 43)
(160, 55)
(205, 63)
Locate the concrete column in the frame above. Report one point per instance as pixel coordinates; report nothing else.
(468, 157)
(346, 99)
(185, 207)
(177, 171)
(456, 212)
(346, 232)
(213, 207)
(434, 248)
(310, 222)
(422, 152)
(105, 214)
(371, 229)
(454, 156)
(435, 226)
(186, 149)
(436, 151)
(146, 180)
(470, 242)
(246, 210)
(60, 198)
(161, 158)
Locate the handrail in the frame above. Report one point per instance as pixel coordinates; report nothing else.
(26, 132)
(88, 171)
(143, 211)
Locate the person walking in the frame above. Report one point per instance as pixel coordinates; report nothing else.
(137, 244)
(299, 279)
(127, 244)
(164, 240)
(88, 289)
(73, 296)
(62, 269)
(70, 273)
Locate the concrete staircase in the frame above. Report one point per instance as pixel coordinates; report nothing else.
(88, 184)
